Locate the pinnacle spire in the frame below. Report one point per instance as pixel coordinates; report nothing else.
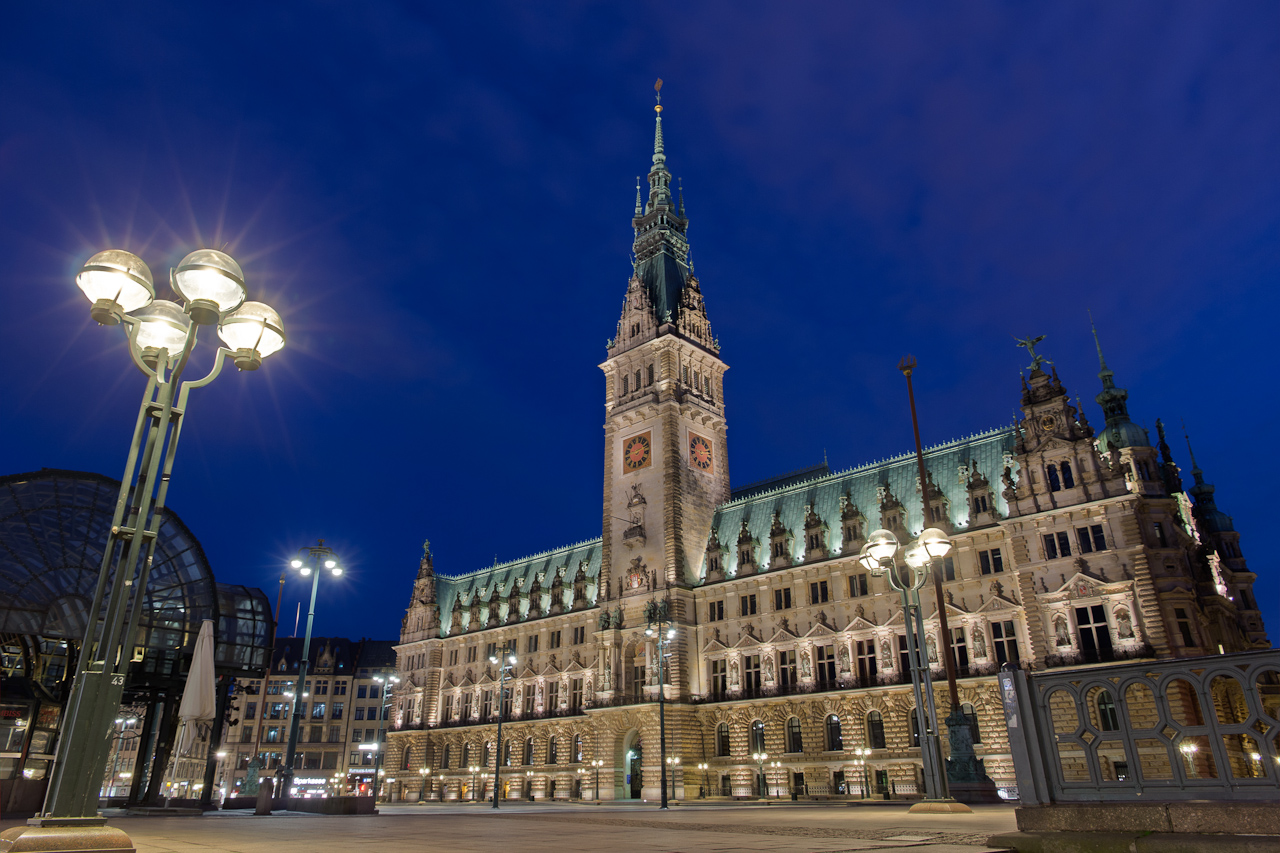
(1195, 467)
(1101, 361)
(1120, 430)
(639, 203)
(659, 155)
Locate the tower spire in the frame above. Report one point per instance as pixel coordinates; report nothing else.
(1120, 430)
(639, 203)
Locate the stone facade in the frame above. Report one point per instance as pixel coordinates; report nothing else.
(1071, 547)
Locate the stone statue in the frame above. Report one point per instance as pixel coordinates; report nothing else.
(1124, 624)
(252, 775)
(979, 643)
(931, 643)
(1029, 344)
(806, 669)
(844, 658)
(1060, 631)
(617, 616)
(768, 668)
(733, 673)
(604, 620)
(608, 675)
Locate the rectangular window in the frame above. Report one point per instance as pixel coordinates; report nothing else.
(959, 648)
(1005, 642)
(357, 735)
(528, 701)
(1099, 541)
(486, 705)
(1184, 626)
(339, 688)
(553, 695)
(825, 664)
(575, 694)
(274, 688)
(748, 604)
(471, 654)
(751, 672)
(991, 562)
(250, 710)
(302, 709)
(818, 592)
(322, 688)
(866, 662)
(782, 598)
(1084, 540)
(490, 650)
(335, 734)
(857, 585)
(531, 645)
(448, 707)
(453, 657)
(904, 659)
(626, 384)
(362, 692)
(277, 710)
(719, 677)
(337, 707)
(715, 611)
(787, 667)
(359, 712)
(273, 734)
(1050, 547)
(317, 734)
(507, 695)
(317, 711)
(1161, 539)
(466, 706)
(1095, 635)
(649, 376)
(948, 568)
(579, 635)
(1064, 544)
(553, 640)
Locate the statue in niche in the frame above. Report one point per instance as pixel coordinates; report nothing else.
(979, 643)
(806, 668)
(768, 668)
(1124, 624)
(931, 643)
(844, 658)
(608, 675)
(860, 611)
(1060, 631)
(617, 616)
(733, 673)
(997, 589)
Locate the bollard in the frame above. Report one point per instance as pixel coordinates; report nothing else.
(264, 797)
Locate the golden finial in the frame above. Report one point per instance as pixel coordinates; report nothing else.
(657, 87)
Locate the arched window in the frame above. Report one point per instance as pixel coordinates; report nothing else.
(722, 740)
(835, 739)
(466, 755)
(404, 761)
(528, 751)
(577, 749)
(551, 750)
(1054, 485)
(506, 753)
(875, 730)
(1107, 719)
(915, 728)
(444, 759)
(1067, 480)
(795, 741)
(757, 736)
(971, 716)
(484, 754)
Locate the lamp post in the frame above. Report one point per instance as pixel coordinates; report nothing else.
(775, 766)
(528, 787)
(386, 684)
(505, 666)
(475, 771)
(674, 763)
(760, 758)
(308, 561)
(597, 764)
(424, 772)
(861, 763)
(161, 337)
(877, 557)
(702, 790)
(658, 616)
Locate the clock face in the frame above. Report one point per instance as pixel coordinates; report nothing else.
(700, 453)
(1048, 423)
(637, 452)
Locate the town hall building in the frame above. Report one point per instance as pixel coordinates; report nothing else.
(1072, 546)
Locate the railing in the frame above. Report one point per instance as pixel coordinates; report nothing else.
(1192, 728)
(1085, 657)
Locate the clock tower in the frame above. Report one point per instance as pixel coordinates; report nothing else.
(665, 462)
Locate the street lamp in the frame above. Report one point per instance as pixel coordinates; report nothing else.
(597, 764)
(775, 766)
(425, 772)
(760, 758)
(702, 791)
(528, 777)
(161, 336)
(504, 667)
(877, 557)
(308, 561)
(475, 771)
(861, 763)
(674, 763)
(386, 684)
(658, 616)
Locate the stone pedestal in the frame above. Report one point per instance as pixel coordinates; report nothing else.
(66, 835)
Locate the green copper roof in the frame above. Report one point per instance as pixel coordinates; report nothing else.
(986, 451)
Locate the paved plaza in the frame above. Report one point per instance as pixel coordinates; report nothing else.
(562, 828)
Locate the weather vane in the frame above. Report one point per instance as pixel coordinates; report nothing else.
(657, 88)
(1030, 345)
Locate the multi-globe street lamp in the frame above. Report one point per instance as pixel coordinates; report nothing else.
(162, 336)
(597, 764)
(308, 562)
(702, 767)
(673, 762)
(776, 767)
(424, 772)
(877, 557)
(386, 685)
(505, 666)
(658, 616)
(861, 763)
(760, 758)
(475, 771)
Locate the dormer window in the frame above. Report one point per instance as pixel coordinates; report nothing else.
(980, 504)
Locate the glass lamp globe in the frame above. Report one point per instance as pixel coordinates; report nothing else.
(253, 331)
(882, 544)
(163, 326)
(936, 542)
(868, 562)
(115, 281)
(211, 283)
(916, 556)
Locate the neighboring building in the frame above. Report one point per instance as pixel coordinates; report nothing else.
(341, 705)
(1071, 547)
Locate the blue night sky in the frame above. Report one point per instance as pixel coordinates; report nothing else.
(438, 201)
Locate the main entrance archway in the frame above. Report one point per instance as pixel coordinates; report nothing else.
(632, 766)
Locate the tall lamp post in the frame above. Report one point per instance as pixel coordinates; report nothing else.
(161, 336)
(658, 616)
(309, 561)
(597, 764)
(386, 684)
(425, 772)
(760, 758)
(877, 557)
(505, 666)
(702, 791)
(674, 763)
(861, 763)
(475, 771)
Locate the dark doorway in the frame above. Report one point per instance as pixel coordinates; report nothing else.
(634, 772)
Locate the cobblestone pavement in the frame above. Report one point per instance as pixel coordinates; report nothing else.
(560, 829)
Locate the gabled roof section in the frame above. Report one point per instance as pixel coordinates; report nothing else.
(788, 495)
(500, 578)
